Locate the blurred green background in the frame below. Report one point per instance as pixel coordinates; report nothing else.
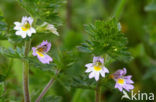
(138, 23)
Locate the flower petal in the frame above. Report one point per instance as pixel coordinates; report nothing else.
(46, 59)
(29, 33)
(18, 33)
(30, 20)
(89, 65)
(119, 87)
(105, 70)
(102, 73)
(96, 59)
(89, 69)
(97, 76)
(32, 30)
(91, 75)
(34, 51)
(23, 34)
(24, 19)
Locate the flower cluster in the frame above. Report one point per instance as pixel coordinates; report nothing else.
(24, 29)
(97, 68)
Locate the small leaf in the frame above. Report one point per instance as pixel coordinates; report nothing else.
(44, 10)
(3, 28)
(12, 53)
(35, 63)
(106, 39)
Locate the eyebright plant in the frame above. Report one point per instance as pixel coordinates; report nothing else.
(106, 43)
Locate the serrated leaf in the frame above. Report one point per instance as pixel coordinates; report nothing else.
(12, 53)
(45, 10)
(64, 59)
(107, 39)
(3, 28)
(83, 82)
(35, 63)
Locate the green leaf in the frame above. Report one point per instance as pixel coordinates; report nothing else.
(106, 39)
(44, 10)
(82, 95)
(35, 63)
(3, 28)
(18, 53)
(64, 59)
(83, 82)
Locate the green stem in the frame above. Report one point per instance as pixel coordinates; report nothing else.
(46, 88)
(26, 72)
(98, 93)
(119, 8)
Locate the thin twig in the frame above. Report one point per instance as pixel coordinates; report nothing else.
(26, 72)
(44, 91)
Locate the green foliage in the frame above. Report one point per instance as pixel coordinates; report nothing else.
(3, 28)
(64, 59)
(106, 38)
(2, 78)
(82, 95)
(44, 10)
(18, 53)
(34, 63)
(83, 82)
(1, 88)
(51, 99)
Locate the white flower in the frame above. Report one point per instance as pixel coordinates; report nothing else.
(24, 27)
(51, 28)
(96, 68)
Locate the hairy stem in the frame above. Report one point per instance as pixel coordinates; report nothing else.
(97, 93)
(26, 72)
(46, 88)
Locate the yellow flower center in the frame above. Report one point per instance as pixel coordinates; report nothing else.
(120, 81)
(26, 26)
(40, 54)
(97, 68)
